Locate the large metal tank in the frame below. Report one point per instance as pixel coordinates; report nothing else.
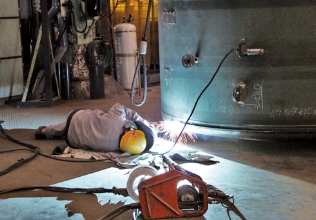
(271, 93)
(125, 53)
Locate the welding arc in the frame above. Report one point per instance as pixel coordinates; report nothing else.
(197, 100)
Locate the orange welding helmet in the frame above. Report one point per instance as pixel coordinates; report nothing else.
(133, 142)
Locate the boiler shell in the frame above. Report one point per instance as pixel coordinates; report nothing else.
(279, 93)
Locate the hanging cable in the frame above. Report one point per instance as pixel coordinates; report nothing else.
(197, 100)
(74, 20)
(142, 60)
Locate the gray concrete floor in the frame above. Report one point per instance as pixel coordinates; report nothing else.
(269, 180)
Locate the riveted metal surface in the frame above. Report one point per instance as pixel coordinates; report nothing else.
(279, 90)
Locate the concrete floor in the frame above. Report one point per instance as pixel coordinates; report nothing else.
(269, 180)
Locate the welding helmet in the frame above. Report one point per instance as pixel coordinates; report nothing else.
(133, 142)
(149, 132)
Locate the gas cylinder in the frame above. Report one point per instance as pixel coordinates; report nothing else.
(125, 46)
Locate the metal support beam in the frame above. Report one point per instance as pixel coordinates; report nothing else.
(49, 101)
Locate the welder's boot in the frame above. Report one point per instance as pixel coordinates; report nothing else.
(40, 133)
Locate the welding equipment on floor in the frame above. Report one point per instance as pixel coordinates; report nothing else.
(176, 193)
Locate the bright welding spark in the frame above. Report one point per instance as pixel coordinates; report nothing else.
(170, 130)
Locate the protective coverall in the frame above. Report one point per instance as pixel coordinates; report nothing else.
(94, 129)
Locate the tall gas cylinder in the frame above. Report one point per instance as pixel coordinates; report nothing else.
(125, 46)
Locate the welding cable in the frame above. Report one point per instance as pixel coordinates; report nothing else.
(36, 152)
(111, 215)
(223, 198)
(142, 59)
(230, 206)
(114, 190)
(32, 148)
(120, 210)
(197, 100)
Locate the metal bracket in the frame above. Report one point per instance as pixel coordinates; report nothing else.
(243, 49)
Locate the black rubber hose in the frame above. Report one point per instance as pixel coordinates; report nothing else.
(32, 148)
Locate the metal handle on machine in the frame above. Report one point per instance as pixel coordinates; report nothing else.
(176, 166)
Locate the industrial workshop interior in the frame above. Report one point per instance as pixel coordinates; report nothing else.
(200, 109)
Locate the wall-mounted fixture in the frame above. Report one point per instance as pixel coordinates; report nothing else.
(239, 94)
(243, 49)
(189, 60)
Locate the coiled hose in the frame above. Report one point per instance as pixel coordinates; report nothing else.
(99, 52)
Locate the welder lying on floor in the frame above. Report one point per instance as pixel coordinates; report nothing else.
(95, 130)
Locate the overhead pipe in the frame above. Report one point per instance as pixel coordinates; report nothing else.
(53, 10)
(63, 41)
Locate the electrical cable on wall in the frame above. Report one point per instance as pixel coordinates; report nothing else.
(74, 20)
(142, 60)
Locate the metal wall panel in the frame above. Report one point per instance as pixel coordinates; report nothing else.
(10, 41)
(9, 8)
(11, 73)
(11, 77)
(278, 88)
